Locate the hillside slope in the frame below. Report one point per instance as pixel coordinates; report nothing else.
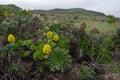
(11, 7)
(79, 11)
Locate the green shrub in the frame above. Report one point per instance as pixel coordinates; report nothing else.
(76, 17)
(54, 26)
(11, 48)
(116, 39)
(55, 56)
(14, 67)
(111, 19)
(2, 17)
(89, 46)
(17, 24)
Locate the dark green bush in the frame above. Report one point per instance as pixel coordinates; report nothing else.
(116, 39)
(2, 17)
(111, 19)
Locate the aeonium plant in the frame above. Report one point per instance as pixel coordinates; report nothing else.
(51, 51)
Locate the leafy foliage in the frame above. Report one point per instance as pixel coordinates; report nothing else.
(11, 48)
(25, 53)
(14, 67)
(2, 17)
(86, 73)
(111, 19)
(16, 23)
(89, 46)
(59, 60)
(54, 26)
(66, 43)
(116, 39)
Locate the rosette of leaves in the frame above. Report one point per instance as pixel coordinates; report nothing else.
(59, 60)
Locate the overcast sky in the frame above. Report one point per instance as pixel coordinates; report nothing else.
(106, 6)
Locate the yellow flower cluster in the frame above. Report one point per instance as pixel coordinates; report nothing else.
(11, 38)
(47, 49)
(56, 38)
(49, 34)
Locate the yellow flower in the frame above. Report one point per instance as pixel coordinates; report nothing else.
(47, 49)
(56, 38)
(49, 34)
(11, 38)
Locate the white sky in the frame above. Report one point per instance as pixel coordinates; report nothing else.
(105, 6)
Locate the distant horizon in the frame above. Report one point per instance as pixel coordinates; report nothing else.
(56, 8)
(107, 7)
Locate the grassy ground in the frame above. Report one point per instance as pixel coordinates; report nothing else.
(103, 27)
